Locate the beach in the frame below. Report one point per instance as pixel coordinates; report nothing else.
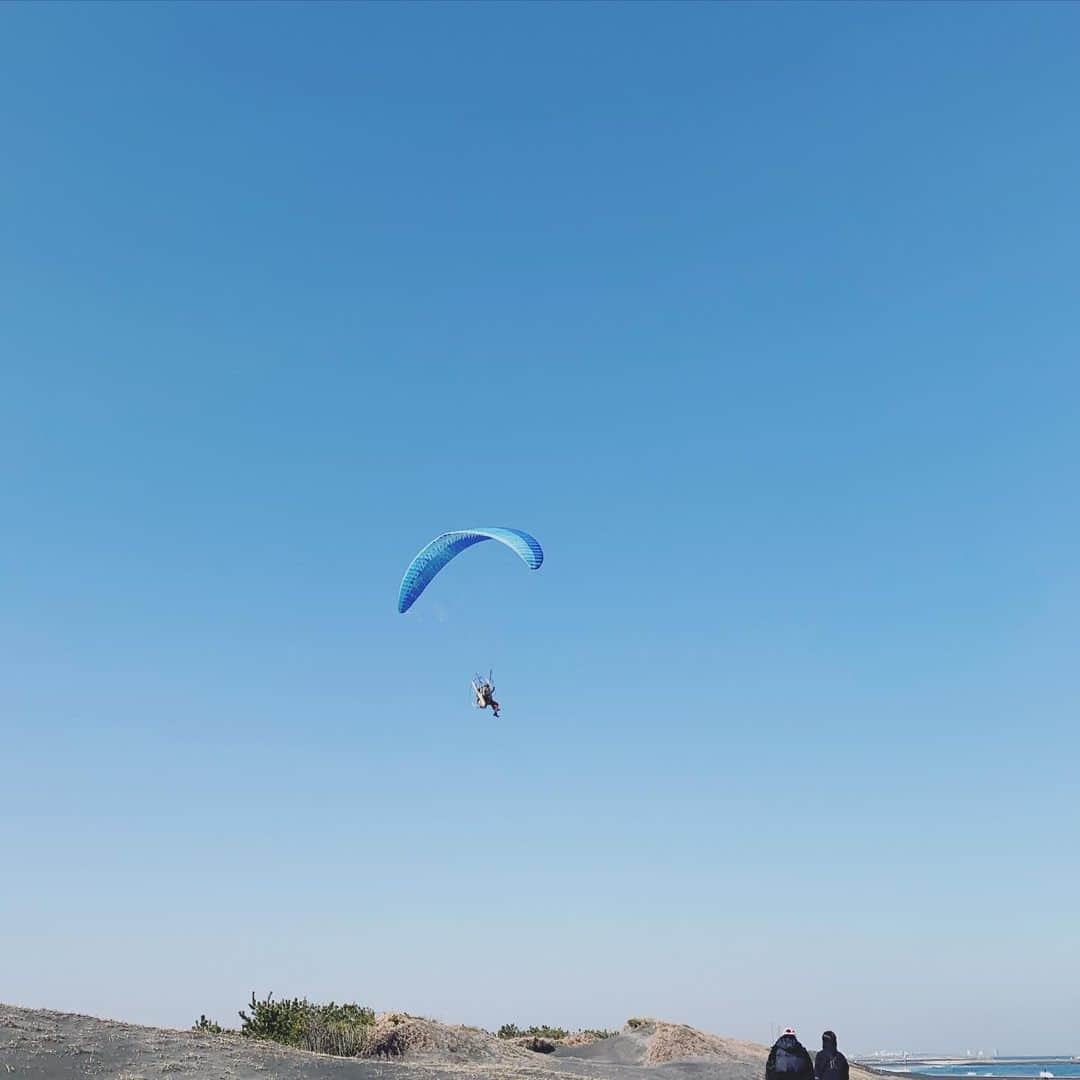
(46, 1045)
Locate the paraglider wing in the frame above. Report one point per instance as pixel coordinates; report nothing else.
(445, 547)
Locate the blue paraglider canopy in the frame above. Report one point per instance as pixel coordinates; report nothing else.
(443, 548)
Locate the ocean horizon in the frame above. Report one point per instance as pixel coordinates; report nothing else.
(1059, 1068)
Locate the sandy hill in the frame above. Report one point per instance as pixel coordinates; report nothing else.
(659, 1042)
(659, 1046)
(40, 1044)
(404, 1038)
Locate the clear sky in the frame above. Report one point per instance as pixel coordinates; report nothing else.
(762, 318)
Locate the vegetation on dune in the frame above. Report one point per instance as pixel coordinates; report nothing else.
(538, 1045)
(343, 1030)
(352, 1030)
(543, 1036)
(211, 1027)
(536, 1031)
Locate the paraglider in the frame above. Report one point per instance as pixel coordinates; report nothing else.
(424, 568)
(443, 548)
(484, 694)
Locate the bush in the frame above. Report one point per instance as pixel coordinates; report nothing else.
(636, 1022)
(539, 1045)
(536, 1031)
(599, 1033)
(343, 1030)
(543, 1031)
(211, 1027)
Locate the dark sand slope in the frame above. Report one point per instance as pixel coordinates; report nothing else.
(44, 1045)
(659, 1050)
(657, 1045)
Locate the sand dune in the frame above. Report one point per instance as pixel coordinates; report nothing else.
(44, 1045)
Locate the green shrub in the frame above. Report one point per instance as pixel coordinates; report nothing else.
(343, 1030)
(599, 1033)
(211, 1027)
(536, 1031)
(636, 1022)
(543, 1031)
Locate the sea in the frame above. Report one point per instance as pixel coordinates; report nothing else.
(1013, 1068)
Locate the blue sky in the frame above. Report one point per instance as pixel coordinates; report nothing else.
(762, 318)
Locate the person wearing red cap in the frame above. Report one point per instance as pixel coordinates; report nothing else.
(789, 1059)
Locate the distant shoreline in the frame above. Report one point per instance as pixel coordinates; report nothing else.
(938, 1067)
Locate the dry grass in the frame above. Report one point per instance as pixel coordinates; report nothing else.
(665, 1041)
(583, 1038)
(400, 1037)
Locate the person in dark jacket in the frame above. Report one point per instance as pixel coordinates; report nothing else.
(830, 1064)
(788, 1059)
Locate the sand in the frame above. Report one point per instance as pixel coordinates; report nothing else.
(40, 1044)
